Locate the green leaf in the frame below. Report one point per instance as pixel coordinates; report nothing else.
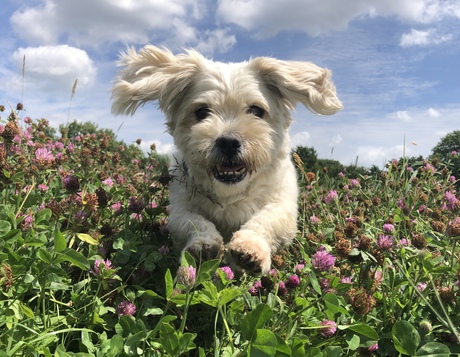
(61, 352)
(333, 305)
(169, 284)
(255, 320)
(44, 255)
(17, 176)
(311, 352)
(433, 349)
(314, 283)
(229, 294)
(353, 341)
(363, 329)
(116, 346)
(74, 258)
(59, 241)
(333, 351)
(152, 311)
(209, 294)
(169, 339)
(186, 342)
(405, 337)
(5, 227)
(298, 349)
(187, 260)
(263, 344)
(282, 349)
(206, 270)
(43, 215)
(86, 341)
(26, 310)
(87, 238)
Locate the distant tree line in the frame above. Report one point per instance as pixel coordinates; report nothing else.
(446, 152)
(108, 140)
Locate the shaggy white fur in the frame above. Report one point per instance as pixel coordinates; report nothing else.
(234, 192)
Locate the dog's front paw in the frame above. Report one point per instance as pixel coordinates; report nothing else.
(248, 251)
(202, 249)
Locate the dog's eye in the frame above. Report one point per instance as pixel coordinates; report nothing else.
(202, 113)
(257, 111)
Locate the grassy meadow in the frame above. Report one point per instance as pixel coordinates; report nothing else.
(87, 267)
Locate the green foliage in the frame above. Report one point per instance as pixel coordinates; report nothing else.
(309, 162)
(450, 142)
(88, 269)
(448, 150)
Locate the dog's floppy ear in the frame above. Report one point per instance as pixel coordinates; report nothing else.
(152, 74)
(302, 82)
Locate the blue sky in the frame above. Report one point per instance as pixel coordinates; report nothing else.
(395, 63)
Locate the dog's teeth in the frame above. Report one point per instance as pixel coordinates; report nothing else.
(239, 172)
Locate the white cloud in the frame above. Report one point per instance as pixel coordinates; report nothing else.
(368, 155)
(423, 38)
(93, 22)
(268, 18)
(403, 115)
(219, 39)
(336, 140)
(162, 147)
(433, 113)
(56, 67)
(300, 139)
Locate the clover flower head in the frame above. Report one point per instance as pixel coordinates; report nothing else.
(421, 286)
(108, 182)
(322, 260)
(100, 266)
(42, 187)
(117, 207)
(388, 228)
(315, 220)
(292, 282)
(331, 197)
(451, 201)
(354, 183)
(186, 275)
(135, 205)
(163, 250)
(44, 156)
(385, 242)
(256, 288)
(373, 348)
(405, 242)
(299, 267)
(126, 308)
(71, 183)
(282, 289)
(228, 272)
(329, 328)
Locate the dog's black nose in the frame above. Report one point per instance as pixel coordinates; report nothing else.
(228, 146)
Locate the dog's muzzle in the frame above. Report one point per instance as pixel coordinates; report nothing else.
(231, 169)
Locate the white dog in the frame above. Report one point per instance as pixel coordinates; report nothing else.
(235, 187)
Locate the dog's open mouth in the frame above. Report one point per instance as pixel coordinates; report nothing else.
(230, 173)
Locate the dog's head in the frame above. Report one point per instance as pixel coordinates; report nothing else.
(229, 120)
